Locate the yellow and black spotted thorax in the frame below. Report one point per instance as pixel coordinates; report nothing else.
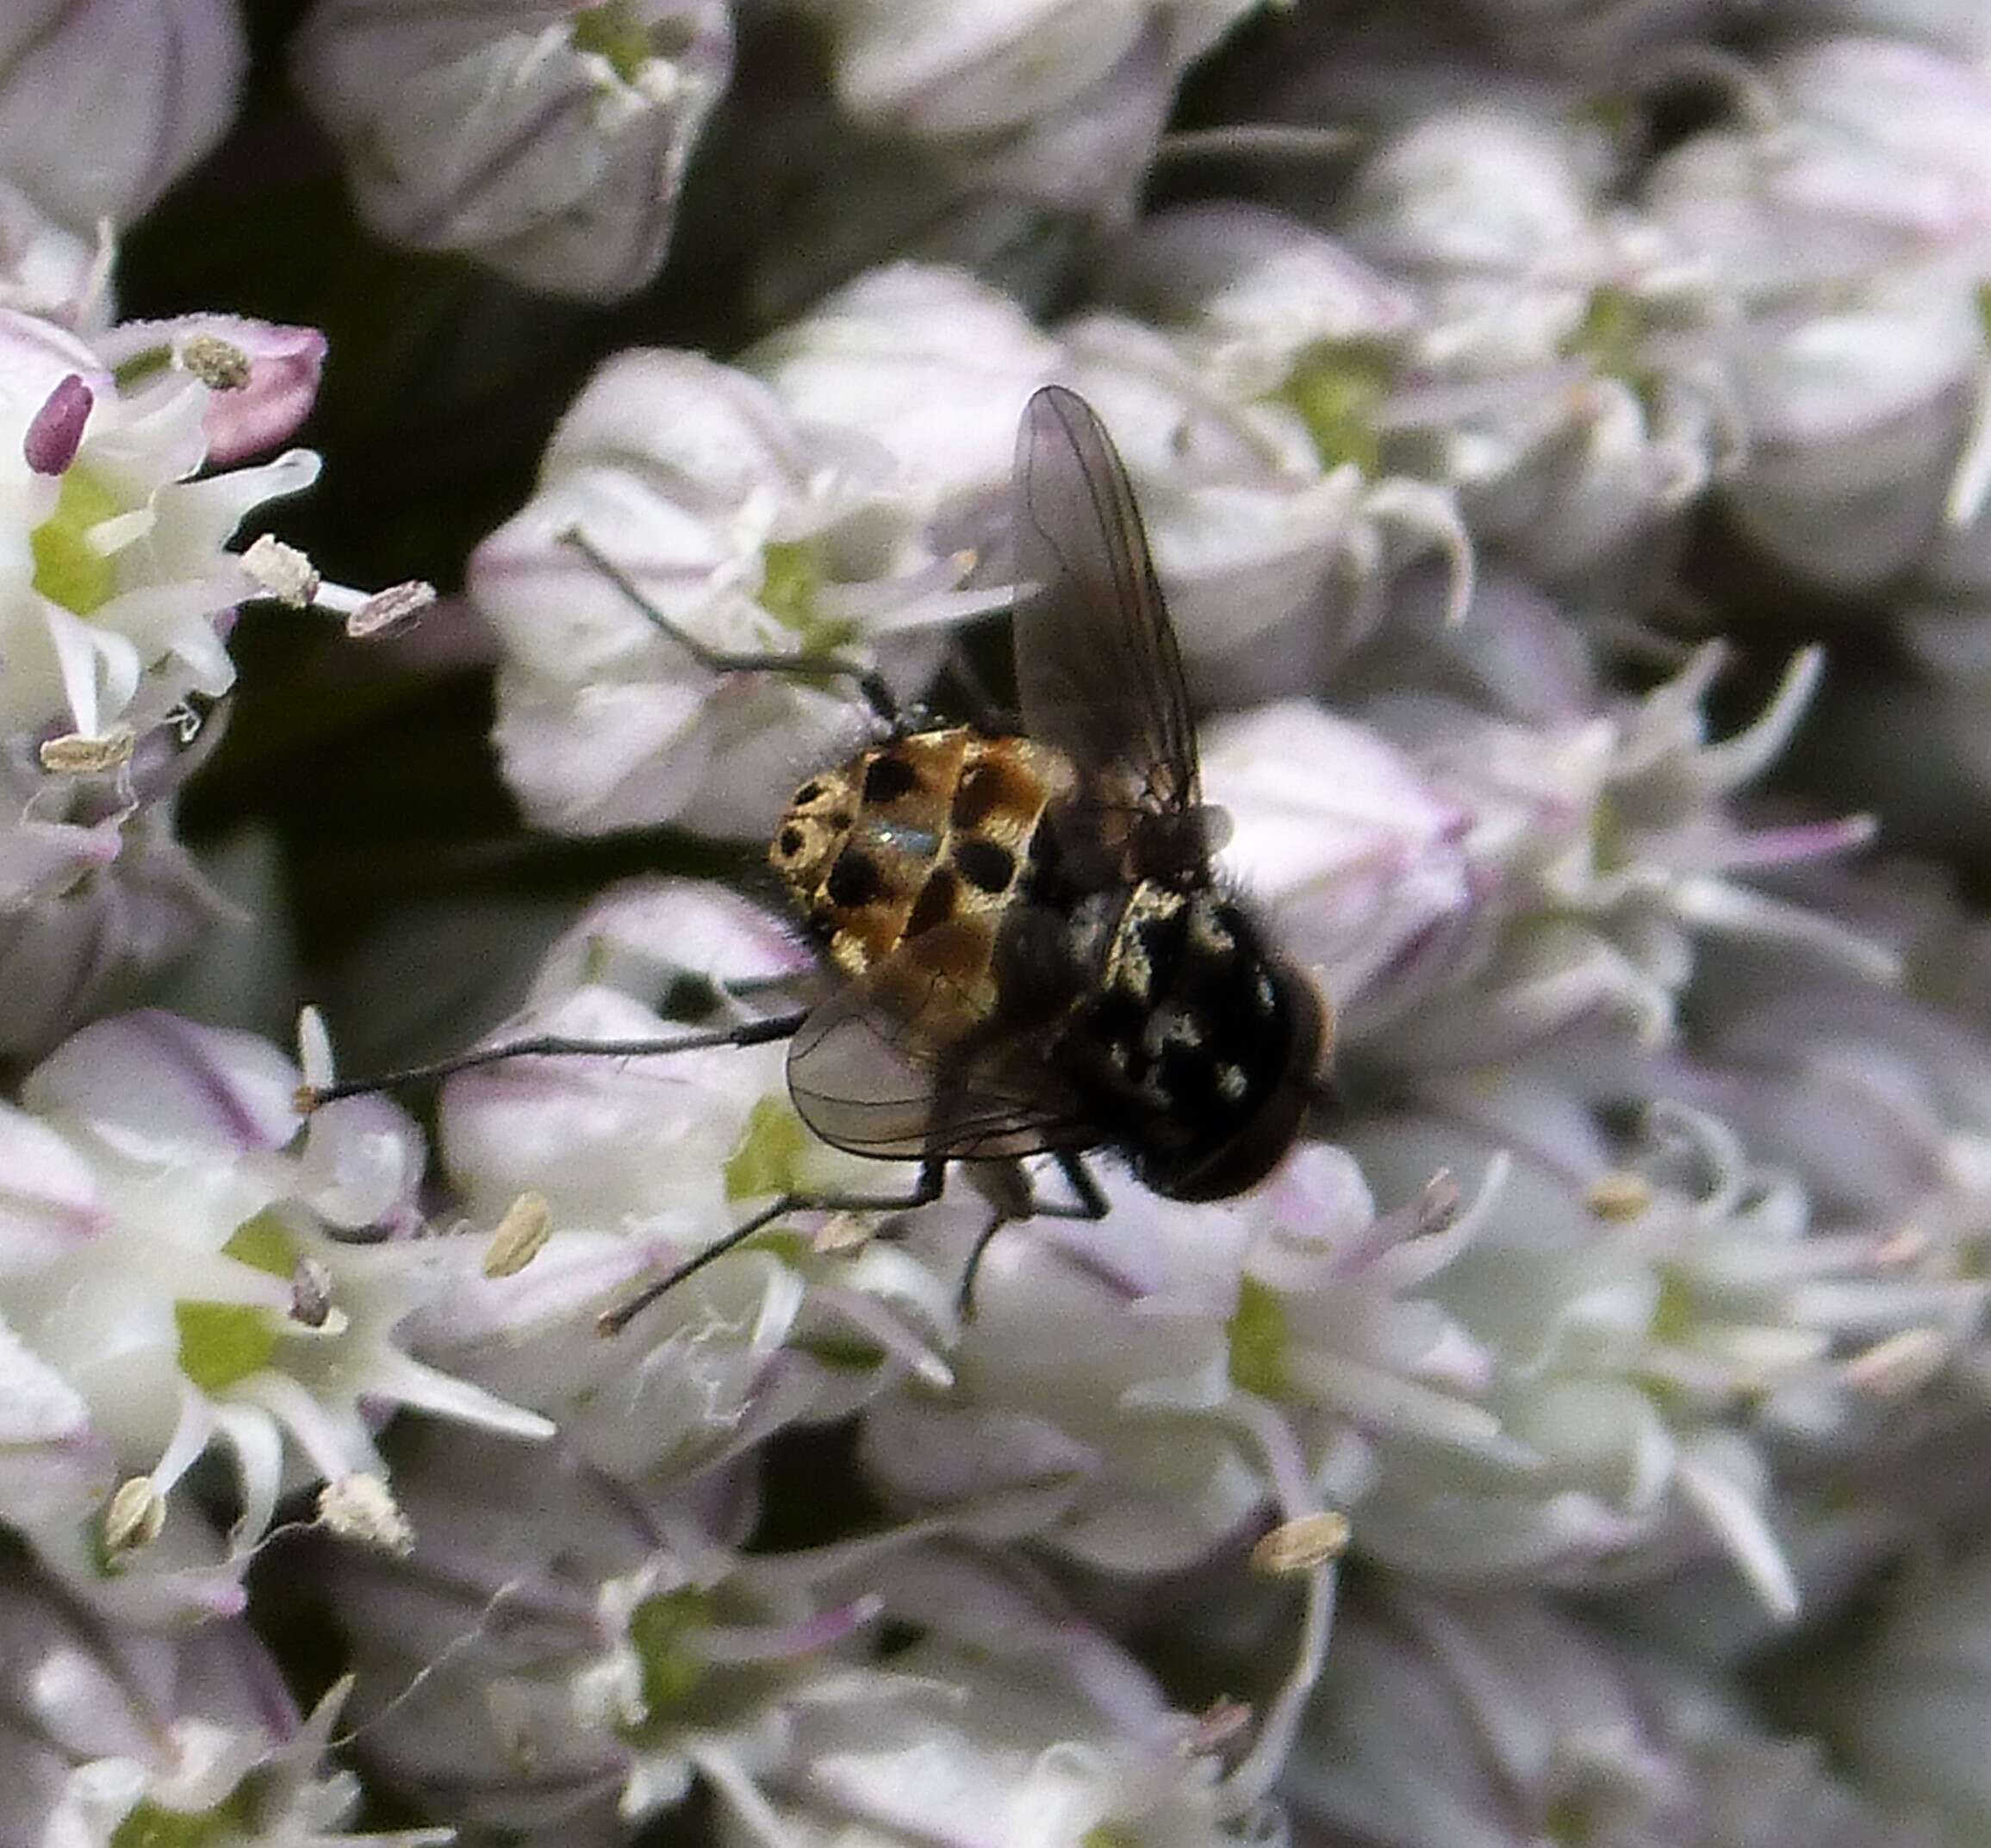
(931, 828)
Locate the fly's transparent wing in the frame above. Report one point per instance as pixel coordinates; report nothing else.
(906, 1063)
(1098, 672)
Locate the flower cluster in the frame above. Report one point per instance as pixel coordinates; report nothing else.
(1560, 434)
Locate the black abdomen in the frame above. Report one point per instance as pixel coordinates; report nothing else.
(1200, 1048)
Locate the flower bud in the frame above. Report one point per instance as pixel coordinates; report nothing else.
(83, 161)
(118, 1736)
(1364, 865)
(550, 148)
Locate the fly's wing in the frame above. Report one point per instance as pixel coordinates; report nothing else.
(1098, 672)
(906, 1063)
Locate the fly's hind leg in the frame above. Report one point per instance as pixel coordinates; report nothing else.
(870, 683)
(1088, 1202)
(924, 1191)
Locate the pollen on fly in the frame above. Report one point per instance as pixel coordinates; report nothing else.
(1027, 950)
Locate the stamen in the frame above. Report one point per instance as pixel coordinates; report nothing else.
(360, 1508)
(1302, 1544)
(220, 365)
(282, 571)
(520, 1236)
(75, 754)
(135, 1517)
(55, 433)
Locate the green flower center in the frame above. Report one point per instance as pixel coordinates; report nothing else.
(223, 1342)
(791, 575)
(1610, 333)
(657, 1630)
(1259, 1340)
(790, 578)
(68, 569)
(769, 1154)
(611, 31)
(1337, 390)
(150, 1826)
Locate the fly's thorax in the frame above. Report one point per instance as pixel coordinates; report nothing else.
(931, 828)
(1206, 1046)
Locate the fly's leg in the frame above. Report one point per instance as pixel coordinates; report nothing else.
(553, 1045)
(924, 1191)
(869, 681)
(1086, 1202)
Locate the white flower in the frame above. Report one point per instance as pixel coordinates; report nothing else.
(968, 67)
(550, 147)
(1563, 369)
(1144, 1395)
(1883, 1105)
(1519, 344)
(114, 1737)
(1008, 87)
(197, 1283)
(558, 1652)
(1273, 566)
(642, 1163)
(1503, 1723)
(1362, 864)
(110, 161)
(1605, 830)
(48, 271)
(112, 577)
(116, 600)
(1848, 217)
(1907, 1710)
(951, 1746)
(1248, 295)
(928, 362)
(752, 532)
(1654, 1317)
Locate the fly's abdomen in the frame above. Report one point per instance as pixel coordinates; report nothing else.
(1205, 1046)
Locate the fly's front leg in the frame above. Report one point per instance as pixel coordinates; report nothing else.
(924, 1191)
(1088, 1202)
(870, 683)
(554, 1045)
